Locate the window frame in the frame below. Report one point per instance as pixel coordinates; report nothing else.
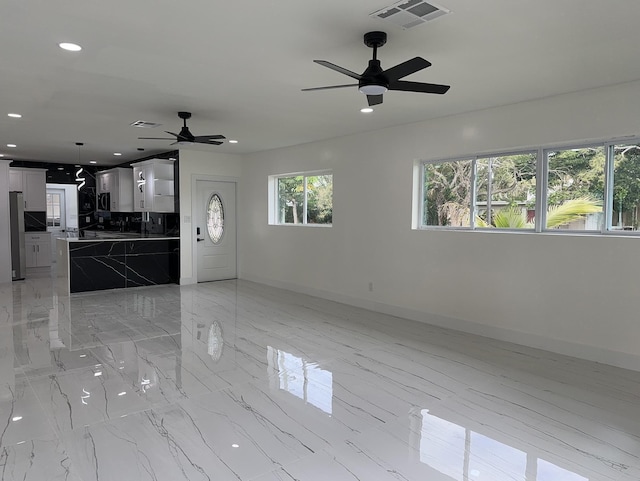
(545, 191)
(472, 194)
(274, 214)
(474, 190)
(51, 207)
(475, 186)
(541, 196)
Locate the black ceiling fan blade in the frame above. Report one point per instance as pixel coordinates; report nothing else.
(206, 141)
(206, 138)
(330, 87)
(406, 68)
(374, 100)
(426, 88)
(337, 68)
(155, 138)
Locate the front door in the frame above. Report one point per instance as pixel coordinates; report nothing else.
(215, 226)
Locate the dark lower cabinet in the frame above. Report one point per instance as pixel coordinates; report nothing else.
(115, 264)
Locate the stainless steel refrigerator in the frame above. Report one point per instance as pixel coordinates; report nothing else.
(18, 254)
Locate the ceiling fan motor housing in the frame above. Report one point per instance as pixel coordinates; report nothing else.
(186, 134)
(373, 77)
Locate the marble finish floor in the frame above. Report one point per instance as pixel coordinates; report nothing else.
(239, 381)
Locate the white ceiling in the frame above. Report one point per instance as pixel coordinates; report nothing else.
(239, 67)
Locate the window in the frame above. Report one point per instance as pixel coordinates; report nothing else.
(506, 191)
(447, 193)
(215, 219)
(579, 188)
(575, 188)
(304, 199)
(625, 192)
(53, 210)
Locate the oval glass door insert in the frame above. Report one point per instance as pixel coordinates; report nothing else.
(215, 219)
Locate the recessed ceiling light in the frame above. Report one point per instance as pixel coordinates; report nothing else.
(235, 445)
(11, 145)
(93, 161)
(117, 154)
(233, 141)
(71, 47)
(15, 116)
(60, 168)
(366, 110)
(1, 155)
(16, 418)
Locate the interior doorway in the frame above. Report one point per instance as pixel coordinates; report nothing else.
(62, 213)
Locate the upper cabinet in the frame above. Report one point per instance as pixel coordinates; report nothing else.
(33, 185)
(118, 183)
(153, 186)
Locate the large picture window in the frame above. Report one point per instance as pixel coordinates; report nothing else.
(305, 198)
(579, 188)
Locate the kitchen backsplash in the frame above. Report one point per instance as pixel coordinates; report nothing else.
(166, 224)
(35, 221)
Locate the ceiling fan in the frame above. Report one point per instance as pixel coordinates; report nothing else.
(374, 81)
(186, 137)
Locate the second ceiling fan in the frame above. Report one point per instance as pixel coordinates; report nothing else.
(185, 136)
(374, 81)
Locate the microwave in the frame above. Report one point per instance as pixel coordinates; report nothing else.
(104, 201)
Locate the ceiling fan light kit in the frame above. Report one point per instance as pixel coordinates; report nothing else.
(185, 136)
(375, 81)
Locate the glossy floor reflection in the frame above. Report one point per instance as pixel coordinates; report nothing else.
(238, 381)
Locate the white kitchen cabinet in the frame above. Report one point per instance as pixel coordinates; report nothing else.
(118, 183)
(33, 184)
(154, 186)
(140, 192)
(15, 180)
(37, 249)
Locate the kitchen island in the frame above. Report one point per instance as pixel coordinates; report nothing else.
(118, 261)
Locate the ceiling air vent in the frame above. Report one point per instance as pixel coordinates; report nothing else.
(143, 124)
(410, 13)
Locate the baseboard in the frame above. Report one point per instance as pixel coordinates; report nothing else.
(185, 281)
(567, 348)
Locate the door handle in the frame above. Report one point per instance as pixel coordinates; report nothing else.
(199, 240)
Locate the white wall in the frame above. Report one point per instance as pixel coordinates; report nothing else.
(195, 164)
(5, 235)
(572, 294)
